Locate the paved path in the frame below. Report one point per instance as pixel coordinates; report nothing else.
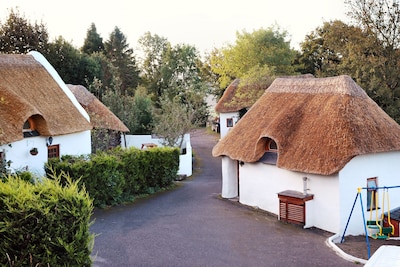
(192, 226)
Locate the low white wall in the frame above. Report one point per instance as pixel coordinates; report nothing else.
(18, 152)
(185, 160)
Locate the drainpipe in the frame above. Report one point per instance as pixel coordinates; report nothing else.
(305, 186)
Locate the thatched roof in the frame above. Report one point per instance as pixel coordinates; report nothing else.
(243, 93)
(319, 125)
(27, 89)
(238, 96)
(100, 116)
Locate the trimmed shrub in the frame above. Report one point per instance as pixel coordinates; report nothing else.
(44, 224)
(119, 175)
(149, 170)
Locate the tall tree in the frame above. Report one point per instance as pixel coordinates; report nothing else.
(93, 41)
(263, 47)
(121, 56)
(153, 48)
(180, 68)
(64, 57)
(18, 35)
(382, 19)
(171, 71)
(73, 66)
(337, 48)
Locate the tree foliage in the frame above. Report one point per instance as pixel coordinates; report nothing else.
(93, 42)
(381, 17)
(117, 50)
(169, 69)
(73, 66)
(263, 47)
(337, 48)
(18, 35)
(174, 78)
(153, 48)
(175, 118)
(136, 112)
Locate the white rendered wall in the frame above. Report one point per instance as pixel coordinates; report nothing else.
(229, 178)
(18, 152)
(222, 120)
(260, 184)
(185, 161)
(333, 195)
(385, 166)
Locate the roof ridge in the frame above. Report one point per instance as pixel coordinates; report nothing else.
(341, 85)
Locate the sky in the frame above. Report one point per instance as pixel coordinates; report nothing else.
(205, 24)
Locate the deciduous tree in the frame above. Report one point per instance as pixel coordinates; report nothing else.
(263, 47)
(337, 48)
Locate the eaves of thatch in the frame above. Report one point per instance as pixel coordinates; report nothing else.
(319, 125)
(28, 90)
(100, 116)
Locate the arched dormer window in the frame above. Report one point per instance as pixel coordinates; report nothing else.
(271, 152)
(29, 129)
(271, 146)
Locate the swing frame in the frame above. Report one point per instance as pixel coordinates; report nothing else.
(363, 215)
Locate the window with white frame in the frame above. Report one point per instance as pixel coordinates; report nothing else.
(372, 195)
(229, 122)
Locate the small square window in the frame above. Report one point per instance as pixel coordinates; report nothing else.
(229, 122)
(53, 151)
(372, 184)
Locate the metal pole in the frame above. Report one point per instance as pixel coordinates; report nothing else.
(381, 187)
(348, 220)
(365, 225)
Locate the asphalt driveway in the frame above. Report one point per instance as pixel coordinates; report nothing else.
(192, 226)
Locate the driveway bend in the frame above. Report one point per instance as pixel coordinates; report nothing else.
(193, 226)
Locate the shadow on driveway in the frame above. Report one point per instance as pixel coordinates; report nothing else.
(193, 226)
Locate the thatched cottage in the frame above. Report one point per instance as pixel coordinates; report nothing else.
(39, 116)
(107, 128)
(304, 148)
(237, 99)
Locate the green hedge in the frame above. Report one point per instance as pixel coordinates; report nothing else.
(44, 223)
(119, 175)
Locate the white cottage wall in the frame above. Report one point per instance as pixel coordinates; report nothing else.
(229, 178)
(18, 152)
(325, 210)
(223, 117)
(21, 159)
(385, 166)
(74, 144)
(260, 184)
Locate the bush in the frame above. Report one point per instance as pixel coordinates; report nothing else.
(44, 224)
(119, 175)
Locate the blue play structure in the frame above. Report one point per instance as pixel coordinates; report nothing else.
(374, 226)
